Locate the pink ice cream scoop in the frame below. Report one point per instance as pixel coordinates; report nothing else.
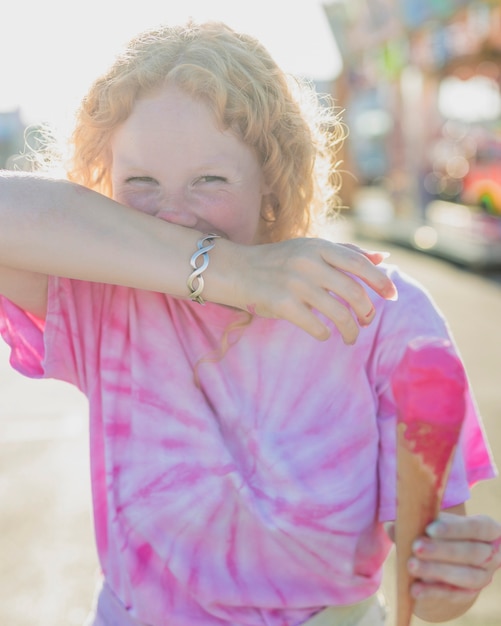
(429, 391)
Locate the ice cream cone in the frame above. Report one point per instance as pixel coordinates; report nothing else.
(418, 505)
(429, 392)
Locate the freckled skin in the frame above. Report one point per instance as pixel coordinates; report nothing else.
(171, 160)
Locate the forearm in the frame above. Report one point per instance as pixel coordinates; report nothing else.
(56, 227)
(52, 227)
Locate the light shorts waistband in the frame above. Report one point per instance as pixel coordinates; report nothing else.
(370, 612)
(110, 611)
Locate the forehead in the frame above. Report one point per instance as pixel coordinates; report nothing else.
(171, 124)
(169, 107)
(170, 116)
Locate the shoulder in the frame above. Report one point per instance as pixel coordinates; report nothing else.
(414, 314)
(414, 299)
(407, 284)
(27, 290)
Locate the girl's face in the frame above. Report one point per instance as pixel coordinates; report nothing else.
(171, 160)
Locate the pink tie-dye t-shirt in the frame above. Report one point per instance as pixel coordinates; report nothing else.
(255, 497)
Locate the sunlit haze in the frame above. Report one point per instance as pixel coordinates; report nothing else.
(52, 49)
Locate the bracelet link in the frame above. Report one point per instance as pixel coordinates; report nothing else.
(195, 280)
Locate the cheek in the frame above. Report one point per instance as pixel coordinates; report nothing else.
(144, 202)
(238, 216)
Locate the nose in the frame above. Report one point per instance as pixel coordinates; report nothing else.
(177, 213)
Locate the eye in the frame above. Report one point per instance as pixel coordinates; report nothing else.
(146, 180)
(212, 179)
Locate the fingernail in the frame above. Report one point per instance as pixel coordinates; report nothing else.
(495, 546)
(370, 313)
(367, 319)
(418, 547)
(434, 529)
(413, 566)
(394, 295)
(489, 558)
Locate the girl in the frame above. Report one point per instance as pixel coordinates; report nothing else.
(242, 470)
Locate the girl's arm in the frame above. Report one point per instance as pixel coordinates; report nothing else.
(54, 227)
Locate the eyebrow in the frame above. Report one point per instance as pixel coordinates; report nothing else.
(128, 161)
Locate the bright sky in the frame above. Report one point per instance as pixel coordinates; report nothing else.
(51, 50)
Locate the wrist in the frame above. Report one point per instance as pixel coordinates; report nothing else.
(223, 282)
(200, 262)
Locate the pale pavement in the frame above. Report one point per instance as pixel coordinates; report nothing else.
(47, 557)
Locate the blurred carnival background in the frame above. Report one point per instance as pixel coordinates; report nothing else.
(420, 83)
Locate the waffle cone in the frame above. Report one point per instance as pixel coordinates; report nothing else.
(418, 504)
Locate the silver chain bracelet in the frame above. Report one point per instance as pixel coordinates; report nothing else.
(195, 280)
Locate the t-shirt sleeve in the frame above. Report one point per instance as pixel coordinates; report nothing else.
(414, 315)
(62, 346)
(23, 333)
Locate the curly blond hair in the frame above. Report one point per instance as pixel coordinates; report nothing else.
(295, 136)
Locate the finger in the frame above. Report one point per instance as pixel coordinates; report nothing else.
(375, 256)
(475, 553)
(439, 592)
(461, 576)
(303, 309)
(302, 316)
(351, 261)
(352, 295)
(335, 310)
(474, 527)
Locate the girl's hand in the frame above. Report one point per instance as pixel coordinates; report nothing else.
(454, 561)
(292, 279)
